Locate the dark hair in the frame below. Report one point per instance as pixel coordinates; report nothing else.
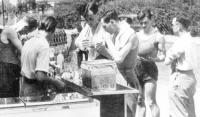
(144, 13)
(129, 20)
(48, 24)
(194, 30)
(109, 15)
(84, 8)
(94, 7)
(32, 23)
(81, 9)
(184, 22)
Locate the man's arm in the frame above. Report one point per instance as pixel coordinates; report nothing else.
(43, 77)
(174, 52)
(119, 55)
(101, 49)
(78, 41)
(12, 36)
(42, 68)
(161, 50)
(83, 41)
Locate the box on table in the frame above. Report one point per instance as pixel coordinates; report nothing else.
(99, 74)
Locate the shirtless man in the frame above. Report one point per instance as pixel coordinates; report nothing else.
(122, 48)
(151, 50)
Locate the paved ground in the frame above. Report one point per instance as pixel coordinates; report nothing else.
(162, 92)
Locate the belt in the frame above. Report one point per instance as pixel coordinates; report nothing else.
(184, 71)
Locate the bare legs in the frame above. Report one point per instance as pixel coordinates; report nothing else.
(149, 92)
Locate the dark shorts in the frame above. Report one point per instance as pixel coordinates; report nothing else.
(130, 76)
(146, 71)
(9, 80)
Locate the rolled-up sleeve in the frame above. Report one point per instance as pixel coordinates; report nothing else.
(42, 62)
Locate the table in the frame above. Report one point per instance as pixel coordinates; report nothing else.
(118, 103)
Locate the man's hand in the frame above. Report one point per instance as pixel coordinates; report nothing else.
(87, 44)
(157, 59)
(167, 61)
(100, 47)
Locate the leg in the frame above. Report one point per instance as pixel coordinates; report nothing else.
(177, 104)
(192, 108)
(181, 92)
(132, 80)
(141, 107)
(150, 93)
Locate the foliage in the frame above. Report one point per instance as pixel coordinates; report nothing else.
(66, 11)
(8, 7)
(164, 11)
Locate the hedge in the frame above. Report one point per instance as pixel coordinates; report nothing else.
(163, 11)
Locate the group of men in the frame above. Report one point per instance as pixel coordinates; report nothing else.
(135, 55)
(32, 66)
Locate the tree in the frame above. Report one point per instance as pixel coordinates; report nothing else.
(68, 11)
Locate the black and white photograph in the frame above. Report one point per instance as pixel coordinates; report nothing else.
(99, 58)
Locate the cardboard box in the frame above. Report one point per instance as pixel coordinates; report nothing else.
(99, 74)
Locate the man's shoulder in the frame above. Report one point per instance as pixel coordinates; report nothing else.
(44, 43)
(129, 32)
(9, 30)
(38, 41)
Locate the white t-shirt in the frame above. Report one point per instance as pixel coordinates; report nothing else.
(100, 35)
(85, 34)
(181, 52)
(35, 55)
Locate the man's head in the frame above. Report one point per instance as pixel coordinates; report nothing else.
(48, 24)
(180, 24)
(92, 20)
(145, 18)
(88, 11)
(28, 24)
(25, 25)
(110, 21)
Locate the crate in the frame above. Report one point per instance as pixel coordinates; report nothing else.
(99, 74)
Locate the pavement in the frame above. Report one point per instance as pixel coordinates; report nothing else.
(162, 92)
(163, 80)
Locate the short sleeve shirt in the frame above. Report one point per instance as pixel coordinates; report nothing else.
(35, 56)
(179, 51)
